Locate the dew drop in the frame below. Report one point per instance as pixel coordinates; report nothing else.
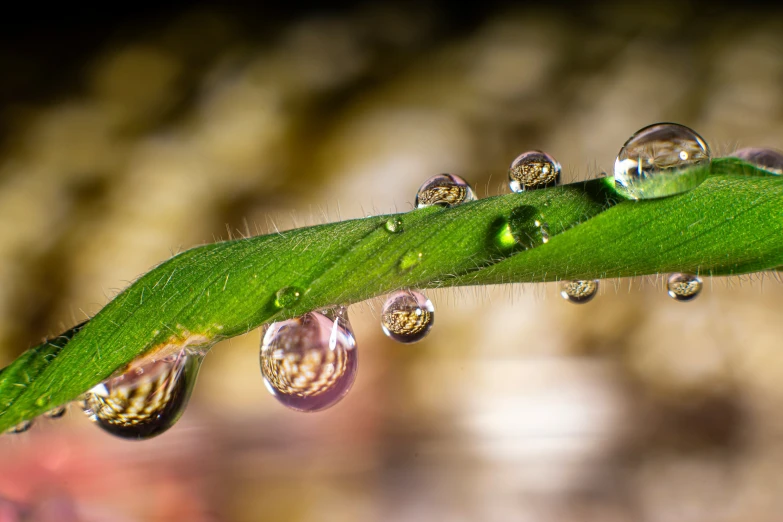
(393, 225)
(21, 427)
(409, 259)
(533, 170)
(146, 400)
(525, 228)
(767, 159)
(287, 296)
(309, 363)
(56, 413)
(446, 190)
(654, 162)
(407, 316)
(683, 287)
(579, 292)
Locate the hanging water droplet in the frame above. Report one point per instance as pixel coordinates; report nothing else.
(409, 259)
(287, 296)
(533, 170)
(683, 287)
(56, 413)
(146, 400)
(309, 363)
(393, 225)
(579, 292)
(767, 159)
(446, 190)
(655, 162)
(21, 427)
(407, 316)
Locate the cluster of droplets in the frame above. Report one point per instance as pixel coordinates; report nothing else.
(656, 161)
(309, 363)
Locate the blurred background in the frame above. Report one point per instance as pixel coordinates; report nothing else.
(126, 137)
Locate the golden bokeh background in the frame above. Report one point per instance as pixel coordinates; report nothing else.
(128, 139)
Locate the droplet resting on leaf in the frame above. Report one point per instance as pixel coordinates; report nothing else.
(656, 162)
(446, 190)
(533, 170)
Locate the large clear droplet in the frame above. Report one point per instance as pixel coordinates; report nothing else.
(445, 190)
(407, 316)
(309, 363)
(533, 170)
(579, 292)
(21, 427)
(655, 162)
(146, 400)
(683, 287)
(767, 159)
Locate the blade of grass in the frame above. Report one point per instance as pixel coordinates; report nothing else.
(731, 224)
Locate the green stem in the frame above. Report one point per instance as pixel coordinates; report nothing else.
(730, 224)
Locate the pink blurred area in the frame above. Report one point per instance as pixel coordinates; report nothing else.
(152, 134)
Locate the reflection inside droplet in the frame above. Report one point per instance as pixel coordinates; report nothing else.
(309, 363)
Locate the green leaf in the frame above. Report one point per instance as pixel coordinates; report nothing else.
(730, 224)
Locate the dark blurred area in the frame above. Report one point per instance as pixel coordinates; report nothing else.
(126, 136)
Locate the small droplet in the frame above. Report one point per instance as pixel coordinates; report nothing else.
(407, 316)
(409, 259)
(445, 190)
(767, 159)
(579, 292)
(309, 363)
(21, 427)
(393, 225)
(146, 400)
(56, 413)
(683, 287)
(533, 170)
(287, 296)
(655, 162)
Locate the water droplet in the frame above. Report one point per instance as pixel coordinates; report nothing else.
(409, 259)
(309, 363)
(654, 162)
(407, 316)
(533, 170)
(683, 287)
(21, 427)
(146, 400)
(56, 413)
(287, 296)
(446, 190)
(579, 292)
(767, 159)
(524, 228)
(393, 225)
